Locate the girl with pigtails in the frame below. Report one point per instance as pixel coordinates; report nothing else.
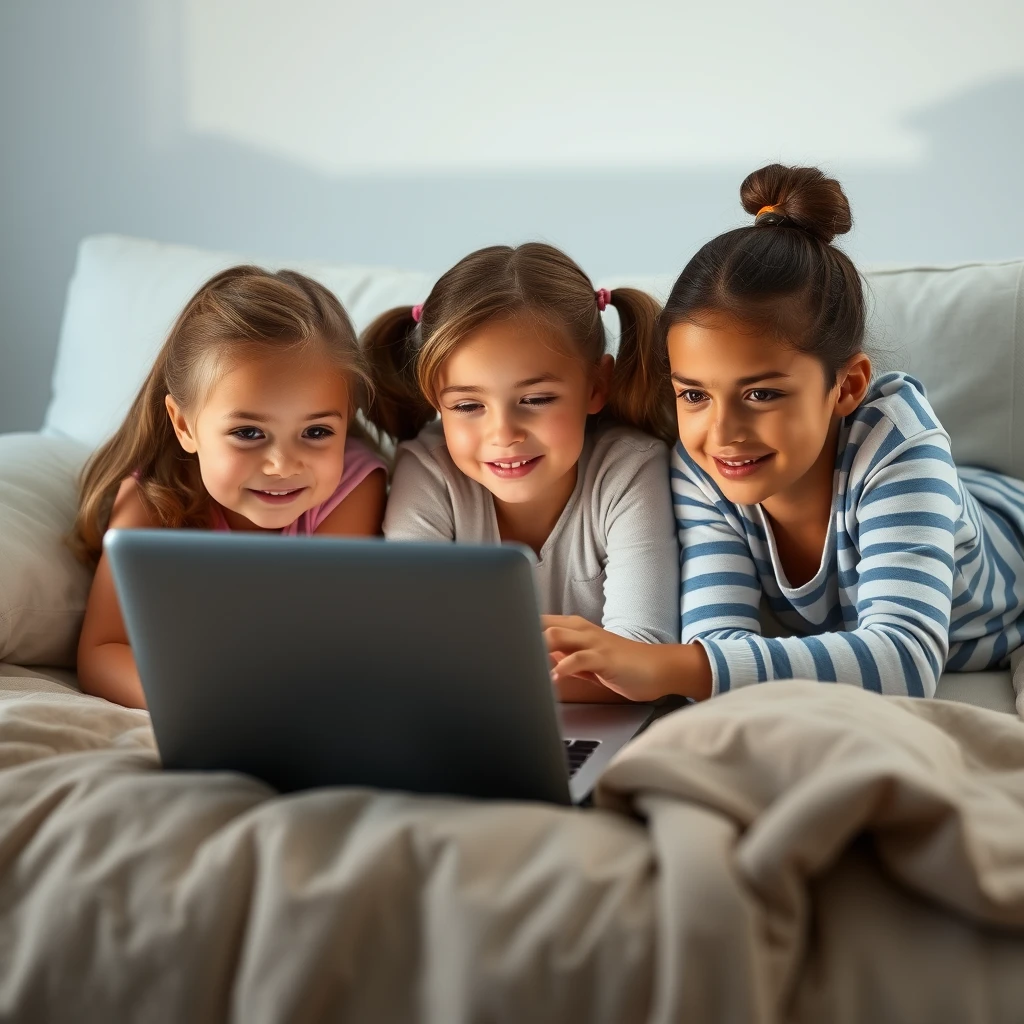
(515, 424)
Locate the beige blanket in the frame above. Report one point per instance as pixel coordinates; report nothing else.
(794, 852)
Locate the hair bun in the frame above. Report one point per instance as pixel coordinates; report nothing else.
(804, 196)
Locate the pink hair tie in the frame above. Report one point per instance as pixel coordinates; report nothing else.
(417, 312)
(604, 298)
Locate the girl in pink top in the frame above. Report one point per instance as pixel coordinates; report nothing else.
(360, 460)
(245, 422)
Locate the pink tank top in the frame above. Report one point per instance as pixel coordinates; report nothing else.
(360, 462)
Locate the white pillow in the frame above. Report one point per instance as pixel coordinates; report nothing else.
(43, 587)
(960, 331)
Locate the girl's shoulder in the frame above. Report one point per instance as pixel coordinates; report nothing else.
(129, 511)
(615, 442)
(423, 467)
(428, 453)
(895, 424)
(615, 456)
(360, 460)
(429, 442)
(894, 402)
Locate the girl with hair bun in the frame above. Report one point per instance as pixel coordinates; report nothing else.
(802, 483)
(542, 437)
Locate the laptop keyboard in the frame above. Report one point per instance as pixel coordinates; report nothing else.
(577, 751)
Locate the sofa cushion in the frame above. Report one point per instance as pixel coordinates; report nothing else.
(43, 587)
(960, 330)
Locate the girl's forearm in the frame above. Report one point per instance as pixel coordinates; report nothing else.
(686, 670)
(108, 671)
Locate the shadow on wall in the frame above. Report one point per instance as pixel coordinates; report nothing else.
(89, 153)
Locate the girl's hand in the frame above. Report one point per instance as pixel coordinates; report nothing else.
(639, 671)
(582, 689)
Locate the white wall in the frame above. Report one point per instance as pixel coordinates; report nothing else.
(453, 86)
(407, 133)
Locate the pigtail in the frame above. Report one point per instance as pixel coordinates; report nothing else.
(145, 446)
(640, 393)
(397, 406)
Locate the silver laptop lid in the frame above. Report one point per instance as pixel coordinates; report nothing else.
(329, 661)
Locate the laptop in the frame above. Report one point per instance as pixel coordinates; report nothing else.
(328, 661)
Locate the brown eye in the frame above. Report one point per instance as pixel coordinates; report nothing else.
(691, 396)
(318, 433)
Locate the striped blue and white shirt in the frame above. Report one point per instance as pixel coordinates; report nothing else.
(923, 568)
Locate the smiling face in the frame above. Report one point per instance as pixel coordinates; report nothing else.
(270, 437)
(754, 414)
(514, 402)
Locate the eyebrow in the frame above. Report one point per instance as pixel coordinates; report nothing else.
(544, 378)
(742, 382)
(242, 414)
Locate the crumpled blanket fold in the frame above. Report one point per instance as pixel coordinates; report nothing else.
(791, 852)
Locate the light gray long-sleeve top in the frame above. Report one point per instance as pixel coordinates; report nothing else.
(613, 555)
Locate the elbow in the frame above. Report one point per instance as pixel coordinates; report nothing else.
(908, 659)
(645, 634)
(108, 670)
(694, 636)
(89, 666)
(85, 665)
(929, 682)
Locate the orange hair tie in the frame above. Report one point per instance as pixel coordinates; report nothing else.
(769, 215)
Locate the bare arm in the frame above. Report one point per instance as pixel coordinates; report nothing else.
(106, 666)
(362, 511)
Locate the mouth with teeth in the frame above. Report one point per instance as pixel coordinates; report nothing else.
(277, 497)
(738, 469)
(513, 469)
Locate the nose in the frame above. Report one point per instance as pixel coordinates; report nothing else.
(504, 429)
(728, 424)
(281, 461)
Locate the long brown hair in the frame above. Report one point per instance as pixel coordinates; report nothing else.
(531, 280)
(243, 310)
(782, 273)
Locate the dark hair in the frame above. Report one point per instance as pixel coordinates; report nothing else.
(531, 280)
(781, 274)
(240, 311)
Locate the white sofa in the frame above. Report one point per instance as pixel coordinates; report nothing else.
(960, 329)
